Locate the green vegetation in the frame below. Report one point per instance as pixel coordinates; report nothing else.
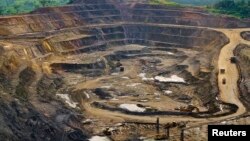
(164, 2)
(197, 2)
(239, 9)
(185, 2)
(9, 7)
(236, 8)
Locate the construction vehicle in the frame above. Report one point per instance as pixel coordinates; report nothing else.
(118, 63)
(222, 71)
(233, 60)
(189, 108)
(224, 81)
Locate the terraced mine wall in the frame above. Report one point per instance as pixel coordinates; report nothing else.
(93, 26)
(137, 34)
(107, 12)
(123, 19)
(101, 38)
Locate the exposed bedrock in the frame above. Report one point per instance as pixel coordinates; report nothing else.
(243, 55)
(29, 116)
(23, 122)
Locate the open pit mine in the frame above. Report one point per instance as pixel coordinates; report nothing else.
(121, 70)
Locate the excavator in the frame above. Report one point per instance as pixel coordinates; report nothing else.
(189, 108)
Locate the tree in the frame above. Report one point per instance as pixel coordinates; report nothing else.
(239, 8)
(45, 2)
(8, 7)
(225, 4)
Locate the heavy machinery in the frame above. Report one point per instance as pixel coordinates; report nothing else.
(233, 60)
(224, 81)
(222, 71)
(189, 108)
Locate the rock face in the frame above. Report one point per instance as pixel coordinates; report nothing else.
(29, 108)
(246, 35)
(242, 52)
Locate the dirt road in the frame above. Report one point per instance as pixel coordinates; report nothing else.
(229, 92)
